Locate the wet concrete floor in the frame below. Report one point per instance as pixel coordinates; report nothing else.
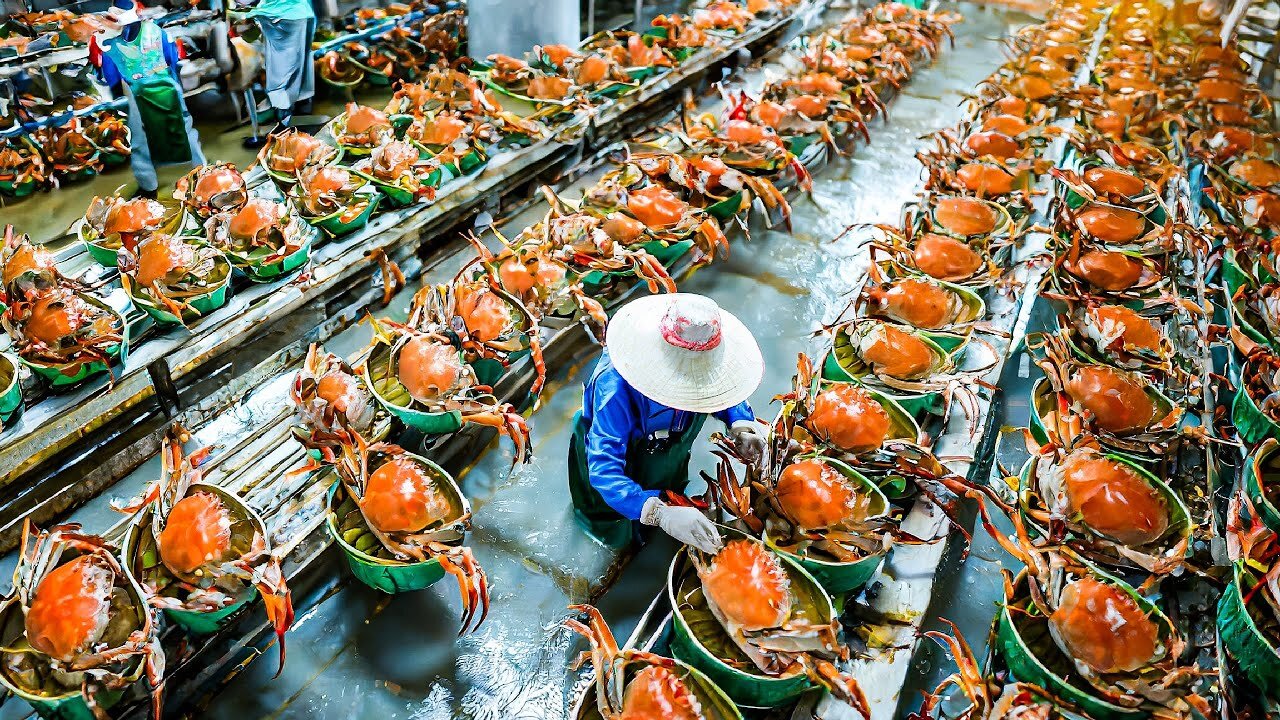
(361, 654)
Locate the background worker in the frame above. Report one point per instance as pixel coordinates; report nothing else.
(141, 63)
(287, 29)
(669, 361)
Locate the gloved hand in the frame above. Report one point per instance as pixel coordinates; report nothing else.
(747, 439)
(686, 524)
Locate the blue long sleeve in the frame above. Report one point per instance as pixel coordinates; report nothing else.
(613, 423)
(741, 411)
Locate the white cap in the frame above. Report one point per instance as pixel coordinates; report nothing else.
(683, 351)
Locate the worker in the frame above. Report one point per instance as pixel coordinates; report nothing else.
(141, 63)
(287, 28)
(669, 361)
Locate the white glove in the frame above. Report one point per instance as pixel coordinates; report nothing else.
(686, 524)
(747, 439)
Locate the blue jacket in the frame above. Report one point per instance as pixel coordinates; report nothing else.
(619, 415)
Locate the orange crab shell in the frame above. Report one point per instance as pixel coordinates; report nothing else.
(1104, 628)
(58, 314)
(920, 303)
(811, 106)
(327, 179)
(657, 693)
(816, 496)
(549, 87)
(1009, 125)
(427, 368)
(1108, 270)
(965, 215)
(130, 216)
(290, 153)
(1117, 400)
(896, 353)
(257, 215)
(997, 145)
(1112, 181)
(1112, 224)
(744, 132)
(362, 119)
(848, 417)
(985, 179)
(1113, 499)
(161, 255)
(487, 315)
(622, 228)
(196, 534)
(214, 181)
(655, 206)
(70, 610)
(337, 388)
(558, 54)
(1257, 172)
(443, 130)
(400, 497)
(27, 257)
(749, 585)
(945, 258)
(1136, 331)
(818, 84)
(593, 69)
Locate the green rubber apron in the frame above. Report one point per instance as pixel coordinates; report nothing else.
(666, 468)
(156, 95)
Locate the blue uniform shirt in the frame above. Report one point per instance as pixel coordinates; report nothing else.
(620, 415)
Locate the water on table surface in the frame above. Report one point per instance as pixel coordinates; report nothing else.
(361, 654)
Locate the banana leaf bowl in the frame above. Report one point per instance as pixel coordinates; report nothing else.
(698, 638)
(10, 392)
(65, 375)
(1023, 639)
(1250, 638)
(52, 699)
(140, 554)
(840, 578)
(369, 561)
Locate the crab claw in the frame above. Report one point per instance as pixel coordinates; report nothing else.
(472, 583)
(841, 686)
(278, 602)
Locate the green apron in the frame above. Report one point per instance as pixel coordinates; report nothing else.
(155, 92)
(666, 469)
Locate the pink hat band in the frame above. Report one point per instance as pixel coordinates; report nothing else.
(688, 329)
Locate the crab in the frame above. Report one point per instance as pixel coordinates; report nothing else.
(543, 284)
(206, 549)
(323, 190)
(656, 690)
(61, 326)
(429, 375)
(290, 151)
(488, 323)
(749, 592)
(26, 269)
(85, 623)
(211, 189)
(330, 396)
(402, 503)
(117, 222)
(261, 232)
(364, 127)
(840, 415)
(634, 213)
(170, 270)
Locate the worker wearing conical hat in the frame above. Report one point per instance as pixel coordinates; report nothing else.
(669, 362)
